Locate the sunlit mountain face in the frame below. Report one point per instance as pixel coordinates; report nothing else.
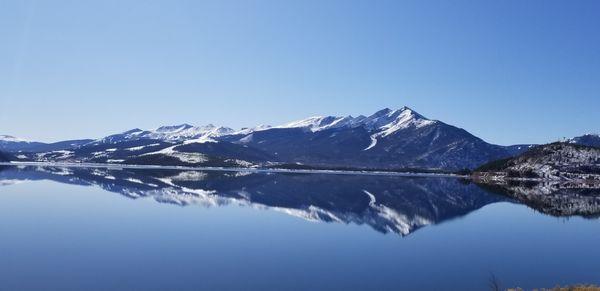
(387, 139)
(388, 204)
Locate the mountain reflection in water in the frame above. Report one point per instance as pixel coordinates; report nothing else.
(388, 204)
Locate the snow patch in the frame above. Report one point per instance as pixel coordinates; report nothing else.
(373, 143)
(141, 147)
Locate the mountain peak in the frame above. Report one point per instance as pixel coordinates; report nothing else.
(316, 123)
(383, 119)
(171, 128)
(387, 118)
(391, 112)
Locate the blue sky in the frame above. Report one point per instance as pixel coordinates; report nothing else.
(507, 71)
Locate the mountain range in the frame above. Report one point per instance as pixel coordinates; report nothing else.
(13, 144)
(386, 139)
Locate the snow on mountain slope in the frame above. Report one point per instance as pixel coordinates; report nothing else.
(387, 122)
(383, 122)
(400, 138)
(318, 123)
(173, 133)
(556, 161)
(402, 119)
(201, 152)
(186, 132)
(249, 130)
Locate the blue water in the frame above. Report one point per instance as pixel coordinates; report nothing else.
(90, 229)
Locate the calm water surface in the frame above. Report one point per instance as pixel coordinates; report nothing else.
(100, 229)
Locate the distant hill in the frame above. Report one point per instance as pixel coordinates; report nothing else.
(12, 144)
(592, 140)
(556, 161)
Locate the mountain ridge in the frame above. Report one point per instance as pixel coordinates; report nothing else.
(589, 139)
(10, 143)
(388, 138)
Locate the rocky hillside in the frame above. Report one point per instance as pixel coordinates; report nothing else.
(556, 161)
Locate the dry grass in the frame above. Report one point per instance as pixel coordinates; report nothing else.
(568, 288)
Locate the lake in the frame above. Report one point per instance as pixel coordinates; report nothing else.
(154, 229)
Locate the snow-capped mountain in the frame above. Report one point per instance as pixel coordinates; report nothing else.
(173, 133)
(390, 139)
(165, 145)
(382, 123)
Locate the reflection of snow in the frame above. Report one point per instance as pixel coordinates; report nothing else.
(382, 210)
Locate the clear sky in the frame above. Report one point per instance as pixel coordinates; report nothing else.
(507, 71)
